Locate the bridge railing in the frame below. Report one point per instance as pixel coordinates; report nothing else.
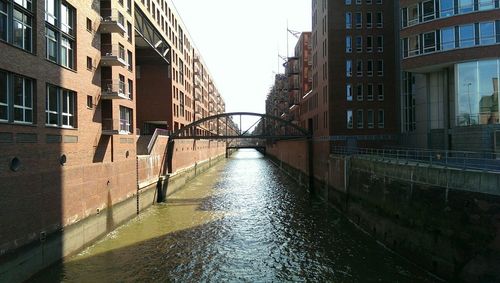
(485, 161)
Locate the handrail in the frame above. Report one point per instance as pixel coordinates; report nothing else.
(158, 132)
(446, 158)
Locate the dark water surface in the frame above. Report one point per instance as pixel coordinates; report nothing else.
(241, 221)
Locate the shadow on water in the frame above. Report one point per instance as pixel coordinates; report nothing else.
(257, 225)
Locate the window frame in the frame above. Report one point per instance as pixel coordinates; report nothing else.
(24, 108)
(65, 98)
(360, 119)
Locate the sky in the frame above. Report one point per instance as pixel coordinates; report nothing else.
(240, 40)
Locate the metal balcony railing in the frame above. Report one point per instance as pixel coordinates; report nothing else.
(116, 126)
(115, 89)
(113, 55)
(112, 21)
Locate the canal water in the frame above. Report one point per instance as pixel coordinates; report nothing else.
(242, 221)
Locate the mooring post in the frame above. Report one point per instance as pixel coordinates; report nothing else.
(170, 154)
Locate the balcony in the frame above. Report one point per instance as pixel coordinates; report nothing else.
(113, 55)
(112, 21)
(114, 89)
(111, 127)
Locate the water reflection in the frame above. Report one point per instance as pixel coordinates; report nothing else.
(241, 221)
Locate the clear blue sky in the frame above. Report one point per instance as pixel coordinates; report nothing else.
(239, 41)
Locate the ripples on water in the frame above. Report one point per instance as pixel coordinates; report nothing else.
(241, 221)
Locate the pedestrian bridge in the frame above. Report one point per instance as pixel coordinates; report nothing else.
(228, 127)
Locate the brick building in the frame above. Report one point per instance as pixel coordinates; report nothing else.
(79, 81)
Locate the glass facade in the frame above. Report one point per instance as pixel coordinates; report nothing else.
(477, 87)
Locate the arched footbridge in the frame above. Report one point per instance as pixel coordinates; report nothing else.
(261, 129)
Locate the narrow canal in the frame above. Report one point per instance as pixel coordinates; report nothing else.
(243, 220)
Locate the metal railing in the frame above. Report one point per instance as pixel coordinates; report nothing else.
(121, 126)
(113, 50)
(484, 161)
(115, 86)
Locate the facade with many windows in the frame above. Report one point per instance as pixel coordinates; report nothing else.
(78, 80)
(449, 57)
(355, 72)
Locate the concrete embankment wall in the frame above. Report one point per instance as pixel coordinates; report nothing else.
(445, 220)
(127, 188)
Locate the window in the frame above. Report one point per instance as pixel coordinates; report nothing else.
(486, 4)
(447, 38)
(446, 8)
(466, 33)
(90, 103)
(4, 97)
(60, 107)
(369, 20)
(50, 11)
(129, 60)
(369, 43)
(359, 20)
(380, 20)
(24, 3)
(16, 97)
(349, 92)
(359, 43)
(381, 94)
(428, 10)
(51, 44)
(370, 118)
(23, 99)
(380, 67)
(487, 33)
(348, 2)
(414, 45)
(348, 44)
(369, 68)
(59, 35)
(129, 32)
(412, 15)
(348, 20)
(129, 6)
(381, 118)
(359, 92)
(348, 67)
(89, 64)
(359, 119)
(349, 119)
(380, 43)
(125, 120)
(359, 68)
(121, 86)
(369, 92)
(3, 21)
(22, 30)
(465, 6)
(89, 25)
(429, 42)
(67, 53)
(130, 89)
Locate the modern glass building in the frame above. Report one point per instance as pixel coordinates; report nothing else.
(450, 61)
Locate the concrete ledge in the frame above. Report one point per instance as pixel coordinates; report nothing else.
(19, 265)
